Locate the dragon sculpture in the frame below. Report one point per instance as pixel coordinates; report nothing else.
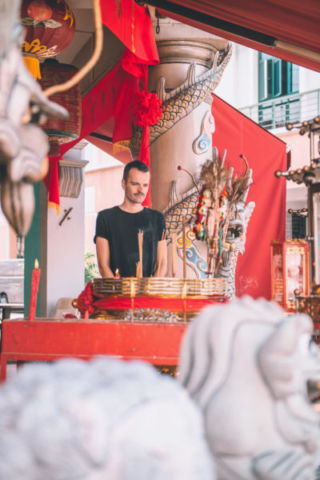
(230, 216)
(180, 102)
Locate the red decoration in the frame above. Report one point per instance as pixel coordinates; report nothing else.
(50, 27)
(147, 111)
(86, 299)
(60, 131)
(147, 108)
(36, 272)
(267, 153)
(51, 181)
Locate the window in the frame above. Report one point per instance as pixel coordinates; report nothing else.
(277, 79)
(299, 226)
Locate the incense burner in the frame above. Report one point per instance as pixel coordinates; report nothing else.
(153, 299)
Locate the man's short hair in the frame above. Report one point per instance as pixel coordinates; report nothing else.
(134, 164)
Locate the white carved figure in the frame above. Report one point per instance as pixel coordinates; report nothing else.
(103, 420)
(23, 107)
(248, 366)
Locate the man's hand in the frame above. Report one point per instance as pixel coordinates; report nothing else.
(161, 265)
(103, 256)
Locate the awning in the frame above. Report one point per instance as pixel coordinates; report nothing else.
(288, 29)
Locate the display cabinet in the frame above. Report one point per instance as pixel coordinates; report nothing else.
(289, 272)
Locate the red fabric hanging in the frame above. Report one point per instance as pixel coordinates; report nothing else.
(290, 21)
(265, 154)
(127, 77)
(113, 96)
(51, 181)
(132, 24)
(97, 107)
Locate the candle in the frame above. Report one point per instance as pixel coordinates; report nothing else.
(184, 246)
(174, 254)
(117, 274)
(36, 272)
(140, 243)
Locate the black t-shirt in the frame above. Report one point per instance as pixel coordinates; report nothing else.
(121, 230)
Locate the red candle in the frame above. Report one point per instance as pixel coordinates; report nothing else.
(34, 290)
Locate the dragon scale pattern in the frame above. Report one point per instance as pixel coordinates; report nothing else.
(180, 102)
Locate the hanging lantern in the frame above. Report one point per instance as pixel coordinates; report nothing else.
(61, 131)
(50, 27)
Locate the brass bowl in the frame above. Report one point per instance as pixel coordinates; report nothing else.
(189, 288)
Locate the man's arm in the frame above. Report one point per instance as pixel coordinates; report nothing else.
(103, 256)
(161, 269)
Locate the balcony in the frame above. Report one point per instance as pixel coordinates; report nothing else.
(279, 111)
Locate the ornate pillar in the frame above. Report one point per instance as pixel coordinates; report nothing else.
(189, 71)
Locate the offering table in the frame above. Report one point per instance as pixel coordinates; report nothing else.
(52, 339)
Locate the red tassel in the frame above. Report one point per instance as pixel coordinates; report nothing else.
(144, 156)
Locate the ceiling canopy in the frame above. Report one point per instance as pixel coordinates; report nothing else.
(288, 29)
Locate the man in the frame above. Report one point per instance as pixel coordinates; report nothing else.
(117, 230)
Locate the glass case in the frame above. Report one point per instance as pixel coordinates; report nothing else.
(289, 272)
(316, 235)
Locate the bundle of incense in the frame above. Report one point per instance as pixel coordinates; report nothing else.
(174, 253)
(140, 243)
(159, 262)
(138, 275)
(184, 243)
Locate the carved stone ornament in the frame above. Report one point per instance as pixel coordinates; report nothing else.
(100, 420)
(249, 367)
(23, 106)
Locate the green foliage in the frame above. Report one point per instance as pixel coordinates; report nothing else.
(90, 267)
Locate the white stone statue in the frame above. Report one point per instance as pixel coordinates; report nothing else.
(248, 366)
(103, 420)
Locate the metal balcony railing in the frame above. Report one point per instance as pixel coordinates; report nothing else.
(277, 112)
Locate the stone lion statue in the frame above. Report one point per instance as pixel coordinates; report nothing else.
(249, 366)
(102, 420)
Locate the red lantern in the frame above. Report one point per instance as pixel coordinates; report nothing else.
(61, 131)
(50, 27)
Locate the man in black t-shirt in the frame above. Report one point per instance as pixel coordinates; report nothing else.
(117, 230)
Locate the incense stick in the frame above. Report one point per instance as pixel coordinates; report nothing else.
(184, 243)
(159, 262)
(174, 253)
(140, 242)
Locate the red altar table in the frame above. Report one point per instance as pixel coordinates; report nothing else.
(53, 339)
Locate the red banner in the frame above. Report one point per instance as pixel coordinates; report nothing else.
(265, 154)
(132, 24)
(51, 181)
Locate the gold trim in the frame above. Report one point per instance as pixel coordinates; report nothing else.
(183, 288)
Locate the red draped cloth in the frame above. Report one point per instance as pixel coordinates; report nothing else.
(132, 25)
(265, 154)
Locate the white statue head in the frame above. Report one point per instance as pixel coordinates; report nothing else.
(103, 420)
(248, 365)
